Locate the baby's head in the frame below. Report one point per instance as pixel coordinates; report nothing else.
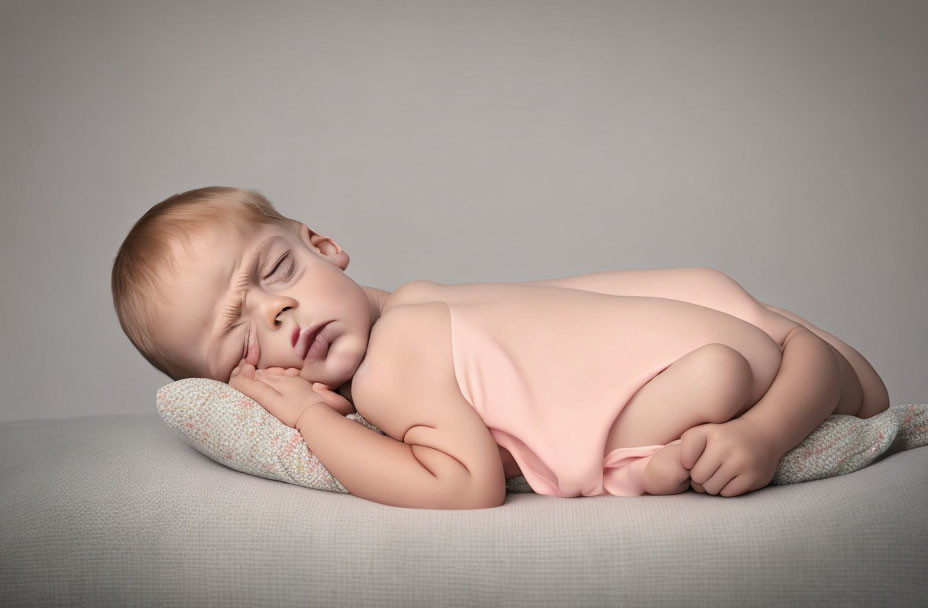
(213, 277)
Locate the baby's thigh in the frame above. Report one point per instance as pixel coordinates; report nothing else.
(713, 383)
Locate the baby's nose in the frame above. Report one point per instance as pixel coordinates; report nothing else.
(275, 311)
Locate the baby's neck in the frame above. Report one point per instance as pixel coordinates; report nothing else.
(377, 298)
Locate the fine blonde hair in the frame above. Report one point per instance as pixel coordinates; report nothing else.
(146, 251)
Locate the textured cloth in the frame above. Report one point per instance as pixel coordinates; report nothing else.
(842, 444)
(236, 431)
(117, 511)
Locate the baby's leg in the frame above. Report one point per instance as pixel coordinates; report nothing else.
(713, 383)
(664, 474)
(863, 396)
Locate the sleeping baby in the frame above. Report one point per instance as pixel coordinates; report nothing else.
(620, 382)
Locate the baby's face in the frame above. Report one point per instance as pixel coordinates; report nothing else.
(246, 292)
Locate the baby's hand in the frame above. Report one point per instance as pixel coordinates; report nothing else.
(729, 459)
(284, 393)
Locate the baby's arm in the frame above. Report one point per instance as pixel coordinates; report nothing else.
(369, 465)
(379, 468)
(804, 392)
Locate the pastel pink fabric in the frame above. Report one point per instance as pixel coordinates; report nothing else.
(555, 423)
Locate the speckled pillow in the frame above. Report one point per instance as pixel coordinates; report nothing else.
(234, 430)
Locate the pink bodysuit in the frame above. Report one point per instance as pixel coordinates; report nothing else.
(554, 424)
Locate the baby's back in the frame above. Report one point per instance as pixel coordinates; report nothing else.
(581, 337)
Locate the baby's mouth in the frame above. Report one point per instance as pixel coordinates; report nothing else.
(307, 337)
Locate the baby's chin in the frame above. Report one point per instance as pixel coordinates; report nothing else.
(335, 371)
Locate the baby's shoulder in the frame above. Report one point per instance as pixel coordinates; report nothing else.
(423, 292)
(414, 292)
(409, 326)
(409, 351)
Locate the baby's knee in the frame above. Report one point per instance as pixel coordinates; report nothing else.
(727, 375)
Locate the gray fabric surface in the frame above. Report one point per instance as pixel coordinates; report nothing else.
(119, 511)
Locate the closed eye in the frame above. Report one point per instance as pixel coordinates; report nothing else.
(277, 265)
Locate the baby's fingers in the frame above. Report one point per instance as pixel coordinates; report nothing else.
(257, 390)
(333, 399)
(244, 369)
(737, 486)
(720, 478)
(280, 371)
(274, 376)
(692, 445)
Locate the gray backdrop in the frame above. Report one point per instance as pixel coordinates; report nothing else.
(784, 143)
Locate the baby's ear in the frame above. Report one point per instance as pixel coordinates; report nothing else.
(304, 232)
(324, 246)
(317, 242)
